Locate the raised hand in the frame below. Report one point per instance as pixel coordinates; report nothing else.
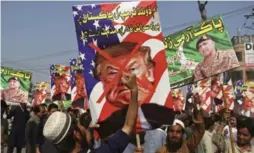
(129, 80)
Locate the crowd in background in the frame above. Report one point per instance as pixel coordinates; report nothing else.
(53, 129)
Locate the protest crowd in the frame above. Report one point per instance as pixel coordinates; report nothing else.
(125, 92)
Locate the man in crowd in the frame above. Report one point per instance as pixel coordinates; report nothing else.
(44, 145)
(17, 134)
(175, 139)
(215, 61)
(233, 122)
(245, 131)
(70, 137)
(4, 124)
(32, 128)
(14, 93)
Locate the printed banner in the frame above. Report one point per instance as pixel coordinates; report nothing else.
(248, 99)
(15, 85)
(78, 90)
(40, 93)
(121, 37)
(249, 55)
(60, 82)
(198, 52)
(178, 99)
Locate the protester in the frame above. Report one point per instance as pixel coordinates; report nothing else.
(31, 133)
(43, 144)
(245, 131)
(4, 124)
(233, 123)
(17, 134)
(175, 139)
(70, 137)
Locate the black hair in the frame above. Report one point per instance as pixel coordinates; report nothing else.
(35, 109)
(51, 106)
(246, 122)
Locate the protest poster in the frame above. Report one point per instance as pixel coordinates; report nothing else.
(199, 51)
(40, 93)
(15, 85)
(248, 99)
(249, 55)
(60, 82)
(178, 99)
(122, 37)
(78, 90)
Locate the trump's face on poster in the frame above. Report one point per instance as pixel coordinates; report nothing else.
(139, 63)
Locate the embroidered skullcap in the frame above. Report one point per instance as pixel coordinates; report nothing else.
(57, 126)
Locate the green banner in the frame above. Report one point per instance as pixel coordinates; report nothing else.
(15, 85)
(199, 51)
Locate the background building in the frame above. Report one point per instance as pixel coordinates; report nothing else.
(242, 72)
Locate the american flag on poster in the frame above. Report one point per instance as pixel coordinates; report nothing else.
(216, 92)
(40, 93)
(127, 35)
(60, 82)
(78, 90)
(229, 95)
(203, 88)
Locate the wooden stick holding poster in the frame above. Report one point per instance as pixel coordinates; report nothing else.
(229, 124)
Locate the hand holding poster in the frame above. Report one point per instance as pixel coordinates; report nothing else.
(15, 85)
(78, 90)
(60, 82)
(119, 38)
(199, 52)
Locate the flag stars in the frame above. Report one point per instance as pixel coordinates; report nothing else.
(96, 24)
(75, 13)
(93, 6)
(92, 63)
(79, 7)
(91, 73)
(95, 42)
(84, 41)
(82, 56)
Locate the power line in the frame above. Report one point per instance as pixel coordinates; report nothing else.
(193, 22)
(43, 56)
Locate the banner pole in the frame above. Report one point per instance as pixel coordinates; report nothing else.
(229, 124)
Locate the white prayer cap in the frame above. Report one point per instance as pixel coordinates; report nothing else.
(57, 126)
(177, 121)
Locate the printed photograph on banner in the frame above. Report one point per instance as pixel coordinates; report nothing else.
(40, 93)
(203, 88)
(15, 85)
(60, 82)
(199, 51)
(248, 99)
(178, 99)
(78, 90)
(118, 38)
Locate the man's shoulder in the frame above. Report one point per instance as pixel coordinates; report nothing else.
(227, 52)
(21, 92)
